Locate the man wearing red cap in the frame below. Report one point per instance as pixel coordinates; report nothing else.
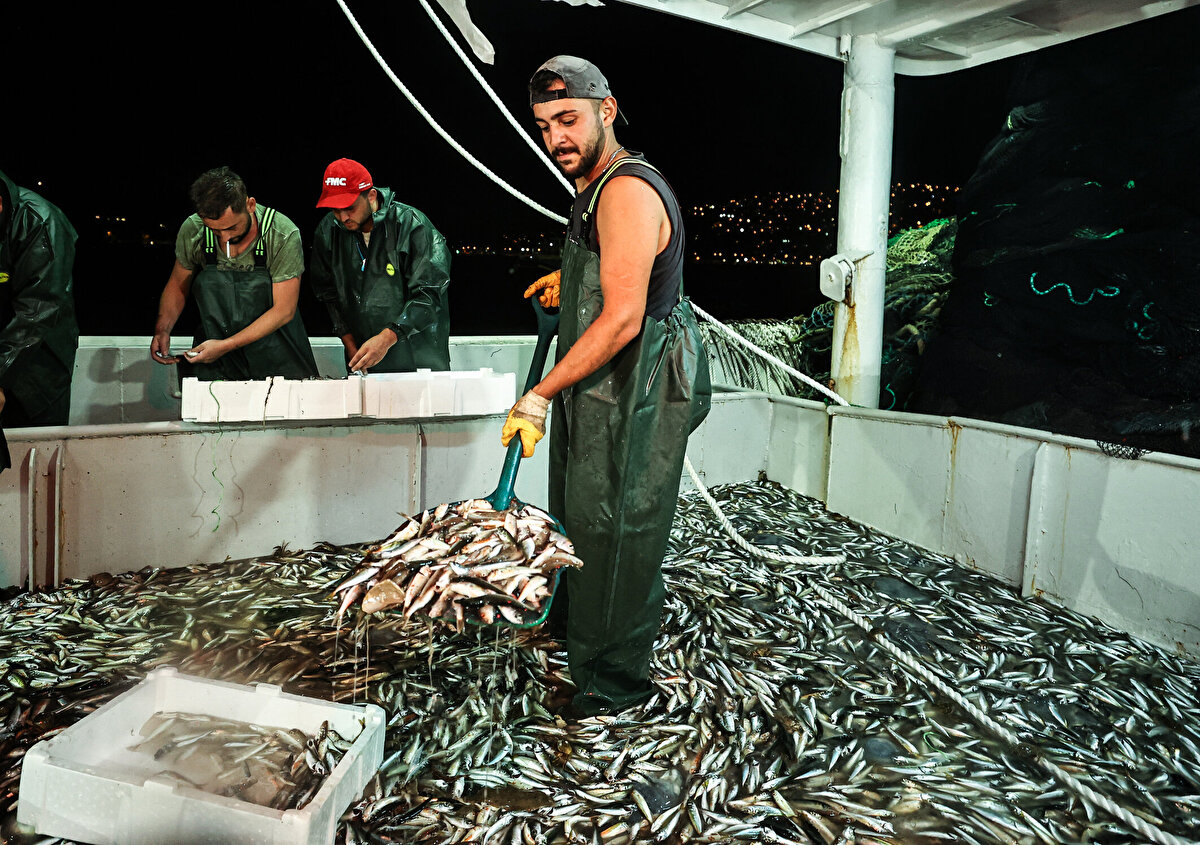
(382, 270)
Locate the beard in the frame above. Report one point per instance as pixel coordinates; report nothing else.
(239, 238)
(588, 158)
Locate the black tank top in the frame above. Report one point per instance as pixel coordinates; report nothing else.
(666, 274)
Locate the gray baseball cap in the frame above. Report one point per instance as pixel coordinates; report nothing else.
(583, 80)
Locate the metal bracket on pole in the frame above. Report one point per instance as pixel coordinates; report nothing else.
(837, 276)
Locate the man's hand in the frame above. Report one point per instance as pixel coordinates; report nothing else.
(547, 289)
(372, 351)
(160, 349)
(2, 400)
(209, 351)
(527, 418)
(351, 348)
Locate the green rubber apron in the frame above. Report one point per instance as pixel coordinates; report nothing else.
(231, 298)
(617, 443)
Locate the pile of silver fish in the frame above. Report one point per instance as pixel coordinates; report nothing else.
(280, 768)
(773, 719)
(466, 561)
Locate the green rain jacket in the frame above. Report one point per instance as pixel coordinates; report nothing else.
(398, 281)
(38, 332)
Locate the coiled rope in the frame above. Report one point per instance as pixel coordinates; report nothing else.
(1065, 778)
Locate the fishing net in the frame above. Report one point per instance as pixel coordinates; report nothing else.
(918, 281)
(1074, 258)
(1076, 307)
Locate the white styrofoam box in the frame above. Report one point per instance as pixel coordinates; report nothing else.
(86, 785)
(438, 394)
(424, 393)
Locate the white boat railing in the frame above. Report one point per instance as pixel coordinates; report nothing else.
(116, 382)
(1053, 516)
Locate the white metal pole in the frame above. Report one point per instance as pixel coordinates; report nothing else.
(31, 520)
(56, 548)
(868, 104)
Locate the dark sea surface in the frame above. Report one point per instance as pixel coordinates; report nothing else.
(117, 287)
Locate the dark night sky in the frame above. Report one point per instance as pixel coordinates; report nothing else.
(277, 90)
(124, 104)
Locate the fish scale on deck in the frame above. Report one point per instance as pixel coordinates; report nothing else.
(774, 719)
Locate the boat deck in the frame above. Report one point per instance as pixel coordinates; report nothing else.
(774, 718)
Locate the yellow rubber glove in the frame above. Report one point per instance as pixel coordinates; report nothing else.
(548, 286)
(527, 418)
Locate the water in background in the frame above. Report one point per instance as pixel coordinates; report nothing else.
(117, 287)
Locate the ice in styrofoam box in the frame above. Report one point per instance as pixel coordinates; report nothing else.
(87, 785)
(425, 393)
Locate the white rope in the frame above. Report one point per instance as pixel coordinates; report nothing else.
(520, 196)
(767, 356)
(1065, 778)
(437, 128)
(495, 99)
(818, 560)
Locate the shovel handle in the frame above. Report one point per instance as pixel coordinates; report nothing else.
(547, 328)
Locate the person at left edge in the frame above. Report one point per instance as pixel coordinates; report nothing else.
(38, 332)
(242, 262)
(382, 270)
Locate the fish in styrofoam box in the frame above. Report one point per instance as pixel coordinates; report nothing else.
(91, 784)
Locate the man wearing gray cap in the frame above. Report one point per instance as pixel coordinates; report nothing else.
(629, 384)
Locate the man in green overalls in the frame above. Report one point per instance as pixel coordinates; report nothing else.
(38, 332)
(242, 262)
(382, 270)
(629, 384)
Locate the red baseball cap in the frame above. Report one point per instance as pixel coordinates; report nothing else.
(345, 179)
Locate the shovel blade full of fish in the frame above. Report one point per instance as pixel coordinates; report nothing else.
(464, 563)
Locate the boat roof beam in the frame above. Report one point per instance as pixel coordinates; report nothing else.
(929, 36)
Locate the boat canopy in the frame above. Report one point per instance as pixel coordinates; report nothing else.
(928, 36)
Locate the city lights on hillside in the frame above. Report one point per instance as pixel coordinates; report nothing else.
(774, 228)
(797, 228)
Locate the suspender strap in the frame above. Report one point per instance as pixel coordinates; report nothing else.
(604, 177)
(210, 246)
(260, 243)
(585, 218)
(260, 247)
